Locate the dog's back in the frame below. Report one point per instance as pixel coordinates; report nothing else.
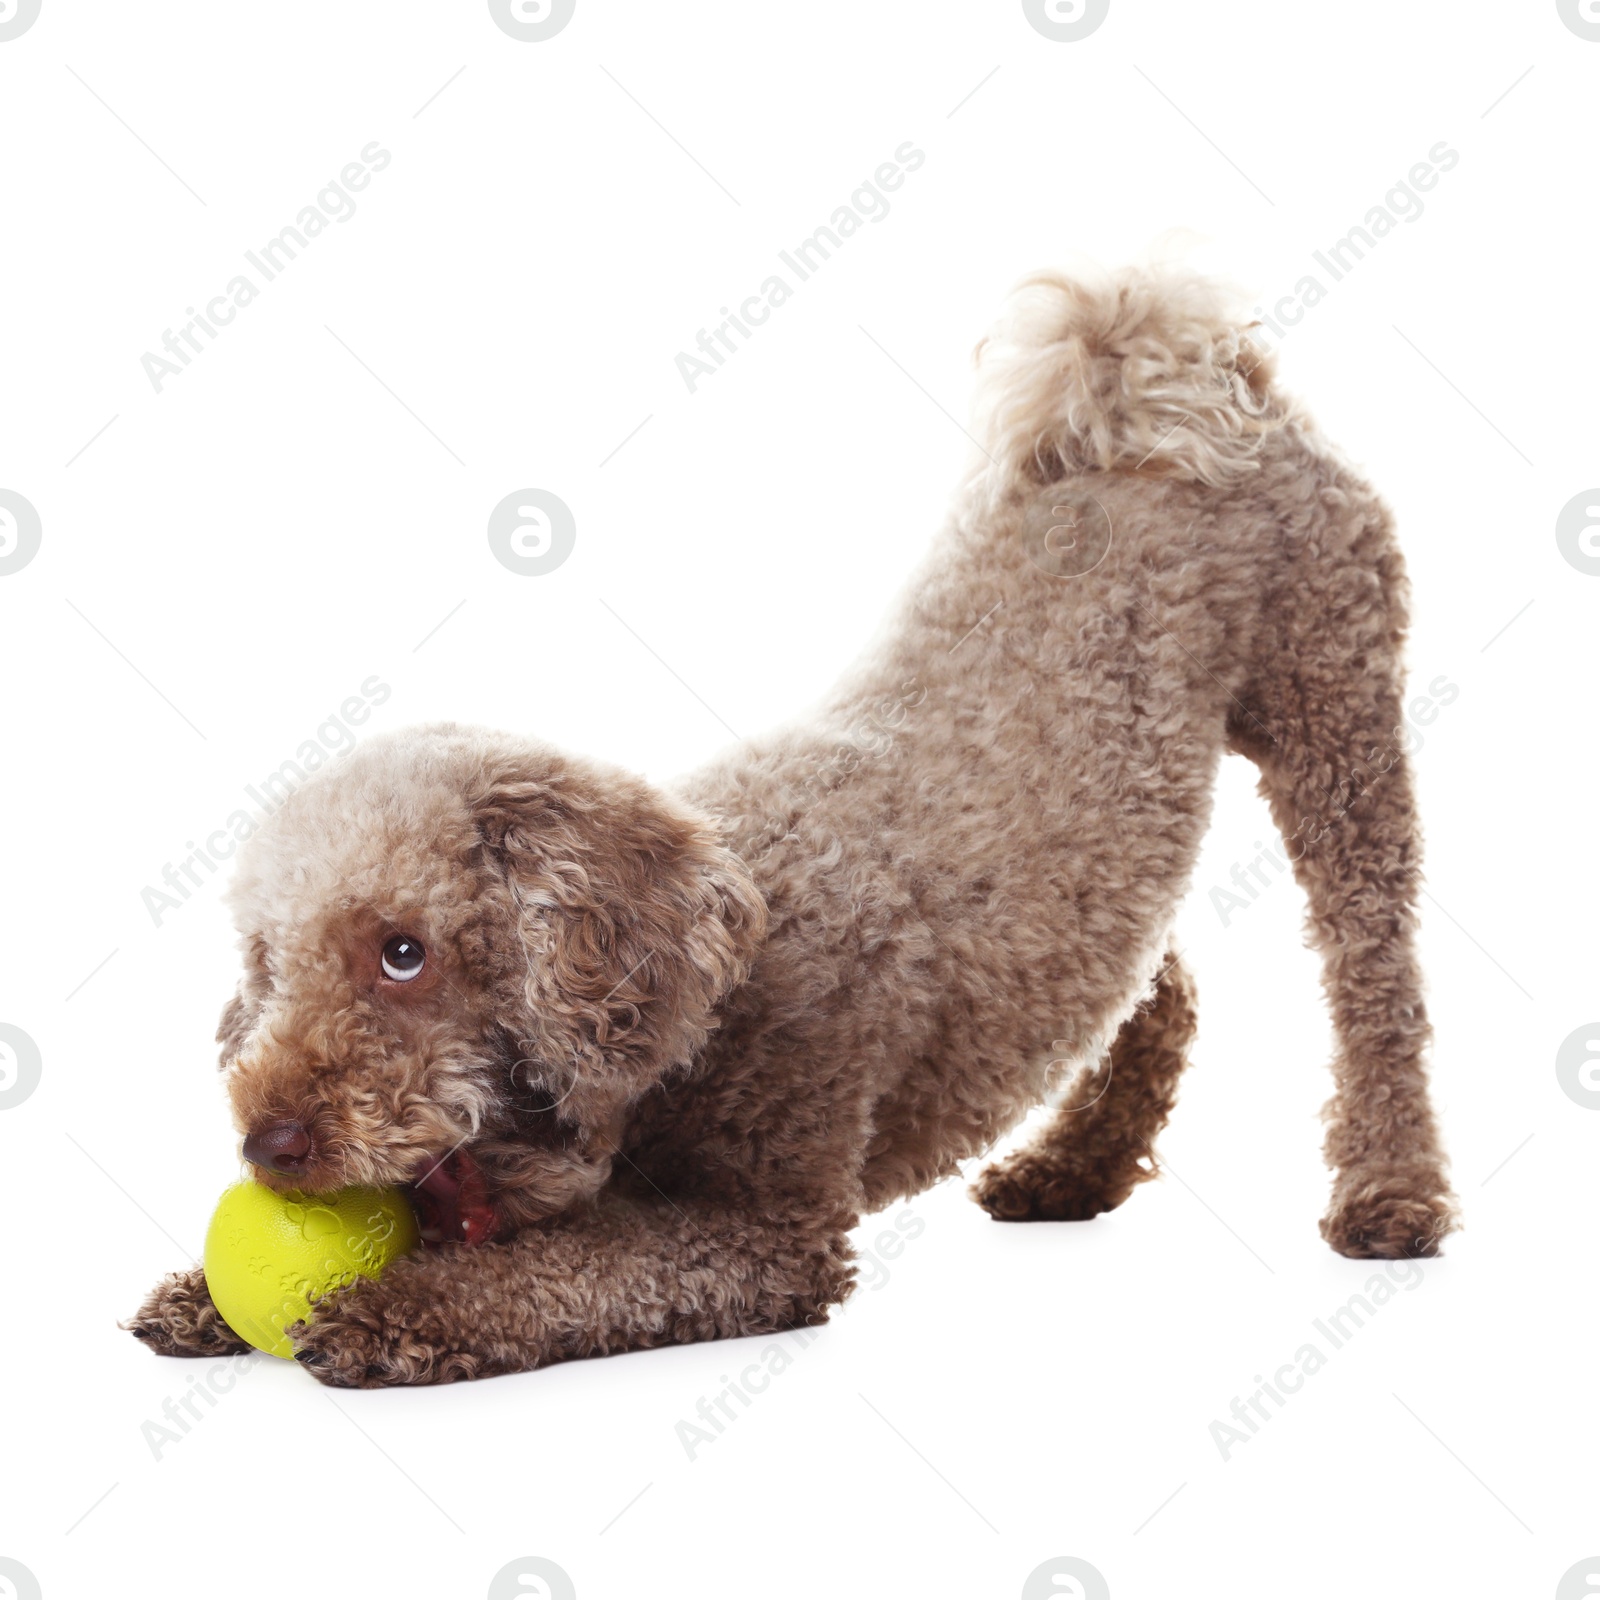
(975, 853)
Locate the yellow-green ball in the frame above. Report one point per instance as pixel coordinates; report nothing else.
(269, 1254)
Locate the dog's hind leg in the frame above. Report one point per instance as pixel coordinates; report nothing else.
(1094, 1150)
(1325, 726)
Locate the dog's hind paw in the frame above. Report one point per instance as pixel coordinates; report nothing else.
(1392, 1218)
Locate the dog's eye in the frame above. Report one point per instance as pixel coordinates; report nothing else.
(402, 958)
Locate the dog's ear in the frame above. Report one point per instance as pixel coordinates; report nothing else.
(239, 1015)
(635, 921)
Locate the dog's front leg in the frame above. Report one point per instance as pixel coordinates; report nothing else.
(178, 1319)
(620, 1275)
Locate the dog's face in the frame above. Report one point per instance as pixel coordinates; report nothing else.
(465, 957)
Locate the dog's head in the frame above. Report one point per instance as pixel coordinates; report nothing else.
(465, 957)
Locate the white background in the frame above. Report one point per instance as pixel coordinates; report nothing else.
(229, 559)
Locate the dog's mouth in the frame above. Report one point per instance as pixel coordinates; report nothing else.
(451, 1200)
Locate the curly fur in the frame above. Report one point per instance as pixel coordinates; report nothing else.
(1147, 372)
(1089, 1156)
(690, 1037)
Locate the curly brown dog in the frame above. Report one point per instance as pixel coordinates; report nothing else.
(646, 1056)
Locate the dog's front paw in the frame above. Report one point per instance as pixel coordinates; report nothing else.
(369, 1337)
(178, 1319)
(1389, 1216)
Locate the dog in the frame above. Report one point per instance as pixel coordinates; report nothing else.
(645, 1055)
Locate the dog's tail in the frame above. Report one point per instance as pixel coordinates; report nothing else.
(1151, 369)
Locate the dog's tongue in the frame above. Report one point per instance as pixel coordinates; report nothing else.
(452, 1202)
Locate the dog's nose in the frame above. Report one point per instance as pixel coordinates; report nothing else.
(281, 1146)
